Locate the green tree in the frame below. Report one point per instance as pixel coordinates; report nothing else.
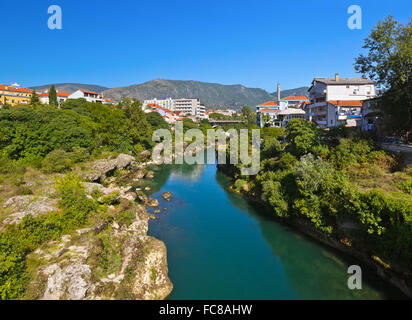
(140, 130)
(53, 96)
(389, 63)
(249, 116)
(34, 100)
(303, 136)
(156, 121)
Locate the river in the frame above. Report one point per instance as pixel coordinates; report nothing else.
(221, 246)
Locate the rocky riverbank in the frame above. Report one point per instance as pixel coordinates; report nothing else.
(112, 257)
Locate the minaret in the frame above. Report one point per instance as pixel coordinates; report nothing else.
(278, 93)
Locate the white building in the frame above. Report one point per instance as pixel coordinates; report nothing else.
(164, 103)
(293, 101)
(90, 96)
(188, 107)
(336, 101)
(61, 97)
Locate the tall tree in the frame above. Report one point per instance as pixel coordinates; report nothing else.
(34, 100)
(249, 116)
(389, 63)
(53, 96)
(140, 129)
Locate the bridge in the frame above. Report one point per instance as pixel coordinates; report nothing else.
(216, 123)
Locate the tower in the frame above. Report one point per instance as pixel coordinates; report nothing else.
(278, 93)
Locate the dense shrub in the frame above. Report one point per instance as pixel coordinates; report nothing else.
(57, 161)
(303, 136)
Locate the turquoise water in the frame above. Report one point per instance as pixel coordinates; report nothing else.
(221, 246)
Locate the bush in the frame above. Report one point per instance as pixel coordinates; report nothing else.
(239, 184)
(273, 195)
(303, 136)
(351, 151)
(57, 161)
(74, 203)
(406, 186)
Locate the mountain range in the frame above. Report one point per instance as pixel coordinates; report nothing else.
(213, 95)
(70, 87)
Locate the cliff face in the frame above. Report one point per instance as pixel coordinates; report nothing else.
(112, 256)
(114, 261)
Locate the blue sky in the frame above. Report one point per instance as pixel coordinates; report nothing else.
(124, 42)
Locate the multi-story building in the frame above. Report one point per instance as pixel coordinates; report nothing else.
(274, 115)
(14, 95)
(338, 101)
(61, 97)
(188, 107)
(164, 103)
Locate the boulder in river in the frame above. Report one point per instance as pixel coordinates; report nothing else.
(149, 175)
(167, 196)
(148, 201)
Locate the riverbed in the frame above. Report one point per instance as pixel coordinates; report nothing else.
(221, 246)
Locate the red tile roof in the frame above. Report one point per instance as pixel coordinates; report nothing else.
(295, 98)
(268, 104)
(89, 92)
(346, 103)
(155, 106)
(15, 89)
(269, 109)
(59, 94)
(108, 100)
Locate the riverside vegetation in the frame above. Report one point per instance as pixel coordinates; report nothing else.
(70, 225)
(339, 185)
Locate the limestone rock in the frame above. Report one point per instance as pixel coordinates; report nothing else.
(145, 155)
(139, 174)
(20, 206)
(101, 168)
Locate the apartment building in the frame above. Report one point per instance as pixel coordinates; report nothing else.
(338, 101)
(164, 103)
(14, 95)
